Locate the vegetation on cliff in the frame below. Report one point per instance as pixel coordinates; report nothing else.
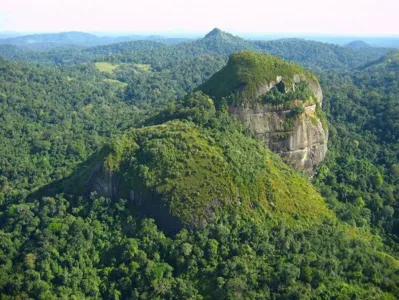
(271, 236)
(298, 91)
(270, 96)
(247, 73)
(199, 170)
(273, 245)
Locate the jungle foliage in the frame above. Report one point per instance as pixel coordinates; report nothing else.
(58, 109)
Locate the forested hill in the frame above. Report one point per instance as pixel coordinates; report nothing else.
(362, 165)
(253, 227)
(317, 55)
(51, 120)
(45, 41)
(52, 39)
(357, 44)
(119, 182)
(314, 55)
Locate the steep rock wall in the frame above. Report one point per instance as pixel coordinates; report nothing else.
(301, 141)
(110, 185)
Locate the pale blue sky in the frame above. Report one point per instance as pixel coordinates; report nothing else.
(348, 17)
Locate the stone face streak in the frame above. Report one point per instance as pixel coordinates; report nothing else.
(302, 146)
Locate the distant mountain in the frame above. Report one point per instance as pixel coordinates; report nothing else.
(389, 62)
(357, 45)
(63, 38)
(216, 32)
(53, 40)
(161, 51)
(218, 42)
(311, 54)
(9, 34)
(317, 55)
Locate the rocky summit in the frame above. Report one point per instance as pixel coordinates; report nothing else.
(278, 101)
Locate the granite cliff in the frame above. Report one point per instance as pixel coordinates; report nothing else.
(278, 101)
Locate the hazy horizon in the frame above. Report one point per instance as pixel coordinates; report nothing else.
(176, 17)
(193, 34)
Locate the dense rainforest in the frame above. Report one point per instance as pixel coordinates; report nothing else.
(131, 105)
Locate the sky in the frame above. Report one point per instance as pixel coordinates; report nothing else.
(331, 17)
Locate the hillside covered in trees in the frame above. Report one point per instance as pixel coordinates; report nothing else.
(214, 214)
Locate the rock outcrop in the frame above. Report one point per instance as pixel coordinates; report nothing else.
(293, 128)
(183, 175)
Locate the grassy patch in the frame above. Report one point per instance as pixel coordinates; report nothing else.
(105, 67)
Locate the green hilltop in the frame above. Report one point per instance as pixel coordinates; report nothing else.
(240, 223)
(358, 44)
(195, 173)
(389, 61)
(247, 71)
(195, 161)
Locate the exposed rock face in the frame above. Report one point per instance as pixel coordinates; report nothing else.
(300, 141)
(278, 101)
(108, 184)
(183, 175)
(103, 182)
